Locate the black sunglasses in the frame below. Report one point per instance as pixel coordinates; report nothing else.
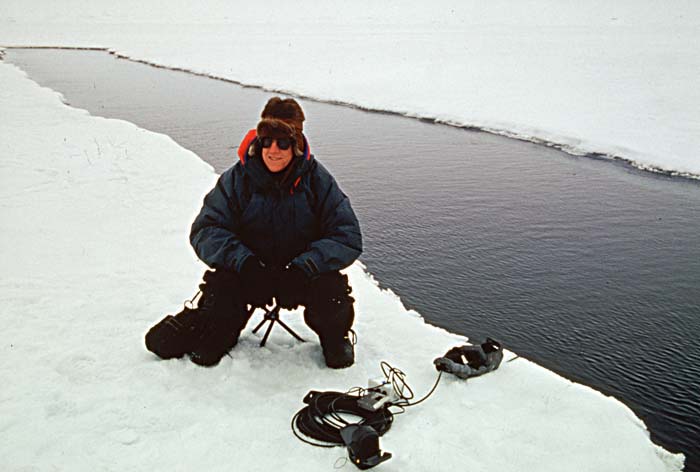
(282, 143)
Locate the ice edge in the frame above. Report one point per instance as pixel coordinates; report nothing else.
(572, 150)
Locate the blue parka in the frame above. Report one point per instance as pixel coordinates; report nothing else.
(300, 217)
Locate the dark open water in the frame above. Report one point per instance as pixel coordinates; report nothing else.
(590, 268)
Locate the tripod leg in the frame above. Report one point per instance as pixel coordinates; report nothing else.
(267, 333)
(290, 331)
(259, 325)
(262, 322)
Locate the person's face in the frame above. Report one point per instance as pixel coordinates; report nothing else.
(276, 159)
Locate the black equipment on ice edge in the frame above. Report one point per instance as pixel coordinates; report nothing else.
(363, 446)
(321, 419)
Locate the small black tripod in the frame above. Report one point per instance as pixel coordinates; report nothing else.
(273, 316)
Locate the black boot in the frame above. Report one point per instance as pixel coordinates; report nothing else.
(175, 336)
(339, 353)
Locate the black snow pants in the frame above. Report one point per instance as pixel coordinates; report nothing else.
(328, 306)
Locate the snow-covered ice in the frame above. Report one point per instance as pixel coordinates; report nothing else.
(94, 217)
(612, 78)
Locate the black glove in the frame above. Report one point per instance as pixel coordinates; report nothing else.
(292, 287)
(257, 282)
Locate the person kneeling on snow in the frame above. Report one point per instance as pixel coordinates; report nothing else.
(276, 225)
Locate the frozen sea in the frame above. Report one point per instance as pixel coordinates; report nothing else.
(587, 266)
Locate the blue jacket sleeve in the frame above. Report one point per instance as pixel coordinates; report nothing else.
(214, 232)
(340, 243)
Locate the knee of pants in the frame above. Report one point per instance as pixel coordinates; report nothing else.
(227, 292)
(329, 287)
(219, 278)
(329, 293)
(332, 317)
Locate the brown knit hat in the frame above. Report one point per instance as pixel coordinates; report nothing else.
(283, 118)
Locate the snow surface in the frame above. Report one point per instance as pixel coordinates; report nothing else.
(94, 217)
(613, 78)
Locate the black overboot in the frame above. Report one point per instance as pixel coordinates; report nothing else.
(176, 335)
(172, 336)
(338, 352)
(189, 330)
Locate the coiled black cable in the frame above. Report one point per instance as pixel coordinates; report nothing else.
(321, 419)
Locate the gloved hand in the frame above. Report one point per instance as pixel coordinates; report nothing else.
(257, 282)
(292, 287)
